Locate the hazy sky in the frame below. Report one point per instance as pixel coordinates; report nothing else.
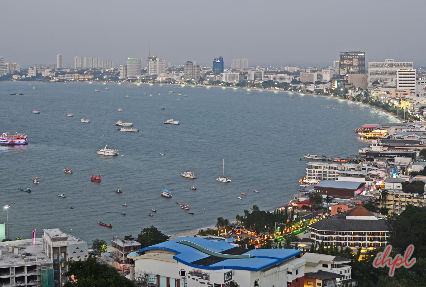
(269, 32)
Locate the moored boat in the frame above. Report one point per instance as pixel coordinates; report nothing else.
(96, 178)
(84, 120)
(120, 123)
(128, 129)
(122, 213)
(36, 112)
(150, 214)
(172, 122)
(166, 193)
(118, 190)
(107, 151)
(26, 189)
(68, 170)
(188, 174)
(17, 138)
(184, 206)
(61, 195)
(35, 180)
(70, 115)
(223, 178)
(104, 224)
(338, 159)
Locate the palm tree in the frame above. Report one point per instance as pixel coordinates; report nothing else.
(328, 199)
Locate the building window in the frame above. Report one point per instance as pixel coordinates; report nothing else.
(325, 265)
(297, 271)
(319, 284)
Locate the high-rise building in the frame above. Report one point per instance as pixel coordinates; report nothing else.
(155, 66)
(239, 64)
(218, 65)
(79, 63)
(191, 71)
(107, 64)
(351, 63)
(406, 79)
(255, 76)
(59, 61)
(123, 71)
(32, 72)
(14, 67)
(134, 68)
(93, 63)
(3, 67)
(384, 73)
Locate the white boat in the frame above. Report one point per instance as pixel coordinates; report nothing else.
(188, 174)
(120, 110)
(36, 112)
(106, 88)
(107, 151)
(239, 197)
(84, 120)
(256, 191)
(35, 180)
(223, 178)
(128, 129)
(310, 156)
(127, 96)
(97, 90)
(124, 124)
(70, 115)
(171, 122)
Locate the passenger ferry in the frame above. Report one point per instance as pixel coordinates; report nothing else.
(17, 138)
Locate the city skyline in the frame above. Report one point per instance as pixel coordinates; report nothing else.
(311, 33)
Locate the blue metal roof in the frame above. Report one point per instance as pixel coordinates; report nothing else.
(259, 258)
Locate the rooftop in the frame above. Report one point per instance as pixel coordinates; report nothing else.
(340, 184)
(212, 254)
(323, 275)
(27, 253)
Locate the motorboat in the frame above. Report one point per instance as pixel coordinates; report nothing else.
(36, 112)
(163, 108)
(84, 120)
(35, 180)
(122, 213)
(192, 187)
(118, 190)
(311, 156)
(161, 153)
(256, 191)
(104, 224)
(123, 124)
(188, 174)
(166, 193)
(128, 129)
(120, 110)
(223, 178)
(153, 210)
(340, 160)
(16, 94)
(6, 142)
(68, 170)
(96, 178)
(240, 198)
(107, 151)
(26, 189)
(127, 96)
(172, 122)
(97, 90)
(61, 195)
(184, 206)
(192, 213)
(70, 115)
(243, 193)
(106, 88)
(124, 204)
(150, 214)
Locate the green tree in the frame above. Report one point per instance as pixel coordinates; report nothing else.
(90, 273)
(150, 236)
(328, 200)
(99, 245)
(416, 186)
(369, 205)
(423, 153)
(384, 210)
(316, 199)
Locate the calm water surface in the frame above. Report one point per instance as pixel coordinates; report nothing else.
(261, 135)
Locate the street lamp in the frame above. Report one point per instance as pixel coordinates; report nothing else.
(7, 220)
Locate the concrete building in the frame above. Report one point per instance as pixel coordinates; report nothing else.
(32, 72)
(397, 201)
(400, 94)
(328, 170)
(282, 78)
(339, 188)
(155, 66)
(406, 79)
(256, 76)
(354, 228)
(358, 80)
(231, 77)
(291, 69)
(59, 63)
(14, 67)
(79, 63)
(384, 73)
(308, 77)
(61, 248)
(23, 263)
(191, 71)
(352, 62)
(194, 262)
(121, 248)
(93, 63)
(107, 64)
(134, 68)
(239, 64)
(3, 67)
(123, 72)
(218, 65)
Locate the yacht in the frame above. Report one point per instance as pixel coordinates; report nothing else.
(171, 122)
(166, 193)
(223, 179)
(128, 129)
(84, 120)
(107, 151)
(123, 124)
(188, 174)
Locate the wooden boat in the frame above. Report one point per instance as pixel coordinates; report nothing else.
(96, 178)
(184, 206)
(118, 190)
(150, 214)
(243, 193)
(68, 170)
(61, 195)
(104, 224)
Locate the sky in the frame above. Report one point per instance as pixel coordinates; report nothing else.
(275, 33)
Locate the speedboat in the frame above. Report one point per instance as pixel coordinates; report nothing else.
(243, 193)
(70, 115)
(84, 120)
(68, 170)
(123, 124)
(172, 122)
(120, 110)
(104, 224)
(124, 204)
(122, 213)
(36, 112)
(35, 180)
(107, 151)
(96, 178)
(61, 195)
(184, 206)
(193, 187)
(106, 88)
(97, 90)
(153, 210)
(166, 193)
(118, 190)
(310, 156)
(188, 174)
(25, 189)
(223, 179)
(239, 197)
(256, 191)
(128, 129)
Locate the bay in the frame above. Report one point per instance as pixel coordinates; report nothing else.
(260, 134)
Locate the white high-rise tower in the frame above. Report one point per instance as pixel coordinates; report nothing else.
(59, 61)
